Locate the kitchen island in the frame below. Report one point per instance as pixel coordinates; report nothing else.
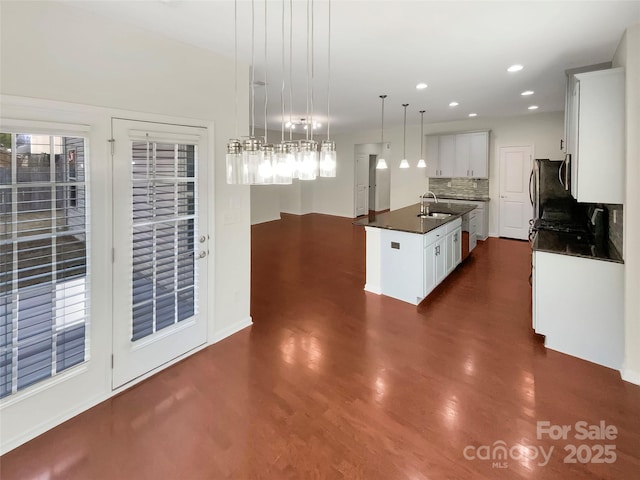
(408, 255)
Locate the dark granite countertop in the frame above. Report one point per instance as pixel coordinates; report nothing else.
(406, 219)
(462, 197)
(577, 245)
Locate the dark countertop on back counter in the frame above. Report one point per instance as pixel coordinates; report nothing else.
(577, 245)
(406, 219)
(462, 197)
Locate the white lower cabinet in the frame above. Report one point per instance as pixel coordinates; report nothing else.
(412, 264)
(578, 306)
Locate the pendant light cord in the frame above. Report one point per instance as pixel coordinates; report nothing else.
(311, 123)
(421, 133)
(382, 133)
(253, 70)
(283, 75)
(266, 98)
(308, 75)
(329, 74)
(235, 65)
(404, 133)
(290, 70)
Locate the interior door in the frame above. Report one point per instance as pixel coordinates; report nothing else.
(362, 184)
(515, 205)
(373, 159)
(160, 245)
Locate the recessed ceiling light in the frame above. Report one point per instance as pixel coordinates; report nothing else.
(454, 104)
(515, 68)
(527, 92)
(533, 107)
(421, 86)
(473, 114)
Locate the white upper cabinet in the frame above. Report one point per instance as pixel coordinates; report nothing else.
(447, 155)
(597, 150)
(458, 155)
(432, 159)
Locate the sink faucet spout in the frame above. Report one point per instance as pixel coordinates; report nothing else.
(424, 208)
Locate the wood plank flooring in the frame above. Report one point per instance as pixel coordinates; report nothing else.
(332, 382)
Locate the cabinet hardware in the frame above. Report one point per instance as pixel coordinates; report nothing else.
(203, 239)
(202, 254)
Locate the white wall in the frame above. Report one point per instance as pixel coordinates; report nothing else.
(107, 68)
(543, 130)
(628, 56)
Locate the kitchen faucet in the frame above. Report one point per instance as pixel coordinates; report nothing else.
(424, 209)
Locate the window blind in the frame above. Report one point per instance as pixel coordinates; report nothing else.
(44, 289)
(164, 232)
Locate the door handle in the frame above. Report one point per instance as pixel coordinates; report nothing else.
(530, 185)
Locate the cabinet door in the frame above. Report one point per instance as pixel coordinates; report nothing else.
(440, 259)
(447, 155)
(432, 156)
(479, 155)
(600, 154)
(481, 224)
(572, 142)
(463, 149)
(450, 252)
(457, 247)
(429, 268)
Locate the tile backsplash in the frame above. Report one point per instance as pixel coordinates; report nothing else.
(616, 229)
(462, 187)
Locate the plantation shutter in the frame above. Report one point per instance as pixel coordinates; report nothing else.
(44, 287)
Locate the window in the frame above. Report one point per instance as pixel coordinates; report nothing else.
(44, 288)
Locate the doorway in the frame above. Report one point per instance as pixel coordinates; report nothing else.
(515, 208)
(161, 255)
(372, 186)
(373, 159)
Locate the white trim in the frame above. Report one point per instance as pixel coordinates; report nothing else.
(231, 329)
(43, 385)
(630, 376)
(373, 289)
(10, 125)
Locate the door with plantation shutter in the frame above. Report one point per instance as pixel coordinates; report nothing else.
(161, 241)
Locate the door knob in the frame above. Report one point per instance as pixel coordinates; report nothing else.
(202, 254)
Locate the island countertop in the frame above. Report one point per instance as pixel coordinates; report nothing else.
(407, 220)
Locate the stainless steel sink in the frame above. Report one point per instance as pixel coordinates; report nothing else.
(436, 215)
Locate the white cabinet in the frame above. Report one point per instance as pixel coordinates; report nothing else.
(440, 259)
(481, 217)
(430, 281)
(432, 158)
(597, 142)
(446, 155)
(472, 155)
(578, 306)
(454, 249)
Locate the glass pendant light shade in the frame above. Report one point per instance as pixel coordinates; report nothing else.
(404, 163)
(328, 159)
(264, 174)
(281, 167)
(308, 160)
(422, 163)
(291, 157)
(235, 173)
(382, 164)
(252, 156)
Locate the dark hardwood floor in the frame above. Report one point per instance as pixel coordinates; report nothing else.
(332, 382)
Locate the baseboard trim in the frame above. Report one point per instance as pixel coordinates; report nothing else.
(231, 329)
(373, 289)
(630, 376)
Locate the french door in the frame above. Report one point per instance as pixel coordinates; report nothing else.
(160, 239)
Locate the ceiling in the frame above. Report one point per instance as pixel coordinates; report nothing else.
(460, 49)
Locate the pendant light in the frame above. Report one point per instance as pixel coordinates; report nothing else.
(404, 163)
(308, 149)
(282, 166)
(421, 162)
(382, 164)
(328, 147)
(236, 174)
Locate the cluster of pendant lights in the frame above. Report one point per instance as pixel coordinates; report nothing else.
(255, 161)
(404, 163)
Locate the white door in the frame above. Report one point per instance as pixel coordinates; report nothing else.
(515, 206)
(447, 154)
(362, 184)
(479, 155)
(160, 242)
(462, 154)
